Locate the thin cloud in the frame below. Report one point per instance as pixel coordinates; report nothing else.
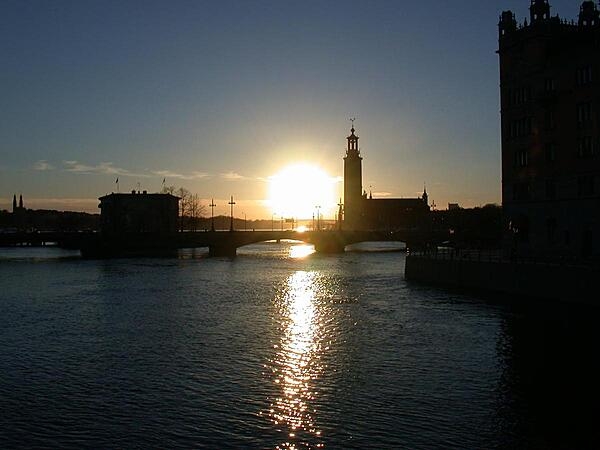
(232, 176)
(106, 168)
(181, 176)
(42, 165)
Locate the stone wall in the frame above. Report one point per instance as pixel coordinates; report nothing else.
(544, 281)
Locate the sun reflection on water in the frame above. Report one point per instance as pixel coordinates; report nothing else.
(301, 250)
(296, 363)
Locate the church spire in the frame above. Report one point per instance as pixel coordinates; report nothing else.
(14, 203)
(21, 201)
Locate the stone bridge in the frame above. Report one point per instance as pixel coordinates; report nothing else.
(219, 243)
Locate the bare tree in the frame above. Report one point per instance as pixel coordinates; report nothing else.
(184, 205)
(196, 210)
(168, 190)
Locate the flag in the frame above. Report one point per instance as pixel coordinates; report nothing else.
(164, 179)
(117, 180)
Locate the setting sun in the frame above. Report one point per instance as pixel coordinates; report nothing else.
(301, 191)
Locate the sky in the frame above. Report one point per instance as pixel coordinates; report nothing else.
(218, 96)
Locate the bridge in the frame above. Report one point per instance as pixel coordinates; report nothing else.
(219, 243)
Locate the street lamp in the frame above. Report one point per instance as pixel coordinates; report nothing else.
(272, 221)
(212, 214)
(231, 203)
(245, 222)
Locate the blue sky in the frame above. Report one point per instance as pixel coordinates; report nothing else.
(217, 96)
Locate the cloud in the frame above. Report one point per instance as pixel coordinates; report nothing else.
(42, 165)
(382, 194)
(181, 176)
(106, 168)
(232, 176)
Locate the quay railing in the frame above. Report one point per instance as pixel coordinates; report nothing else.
(498, 256)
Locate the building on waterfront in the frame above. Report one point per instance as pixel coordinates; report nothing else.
(138, 212)
(550, 108)
(362, 212)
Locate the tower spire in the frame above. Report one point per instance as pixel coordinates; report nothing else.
(14, 203)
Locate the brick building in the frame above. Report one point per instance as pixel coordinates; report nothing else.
(550, 108)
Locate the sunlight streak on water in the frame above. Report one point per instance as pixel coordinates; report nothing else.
(297, 364)
(301, 251)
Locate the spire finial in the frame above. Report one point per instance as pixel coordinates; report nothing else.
(352, 119)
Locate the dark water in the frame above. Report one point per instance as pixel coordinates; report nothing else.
(272, 350)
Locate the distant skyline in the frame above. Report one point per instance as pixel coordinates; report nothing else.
(219, 96)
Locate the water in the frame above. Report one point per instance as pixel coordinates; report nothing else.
(279, 348)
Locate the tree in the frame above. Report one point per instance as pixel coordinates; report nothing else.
(190, 209)
(168, 190)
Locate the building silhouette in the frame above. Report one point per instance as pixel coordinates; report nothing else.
(362, 212)
(20, 208)
(138, 212)
(550, 108)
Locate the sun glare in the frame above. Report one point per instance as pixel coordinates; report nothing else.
(301, 191)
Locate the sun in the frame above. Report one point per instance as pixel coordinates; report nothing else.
(300, 191)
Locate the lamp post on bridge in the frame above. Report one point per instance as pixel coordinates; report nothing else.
(212, 214)
(245, 222)
(340, 214)
(231, 203)
(318, 217)
(272, 221)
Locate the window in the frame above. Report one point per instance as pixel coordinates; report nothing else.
(550, 152)
(585, 185)
(549, 120)
(519, 96)
(521, 191)
(520, 127)
(551, 189)
(584, 113)
(585, 149)
(522, 158)
(551, 230)
(584, 75)
(549, 85)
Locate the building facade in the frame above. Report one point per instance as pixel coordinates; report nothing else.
(138, 212)
(550, 127)
(362, 212)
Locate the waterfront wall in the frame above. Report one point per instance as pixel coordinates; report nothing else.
(544, 281)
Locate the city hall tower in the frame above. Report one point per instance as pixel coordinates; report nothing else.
(352, 183)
